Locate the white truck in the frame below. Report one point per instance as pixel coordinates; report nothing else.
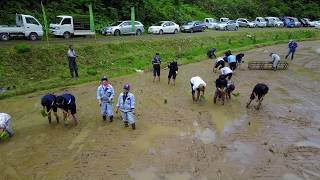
(210, 23)
(68, 26)
(26, 26)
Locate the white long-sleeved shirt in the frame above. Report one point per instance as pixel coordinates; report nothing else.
(105, 93)
(225, 70)
(4, 120)
(197, 81)
(71, 53)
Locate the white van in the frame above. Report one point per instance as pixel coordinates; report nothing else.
(260, 22)
(68, 26)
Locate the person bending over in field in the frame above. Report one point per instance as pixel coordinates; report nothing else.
(197, 84)
(221, 85)
(259, 91)
(48, 103)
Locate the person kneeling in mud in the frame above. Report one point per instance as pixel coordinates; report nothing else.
(105, 95)
(229, 90)
(197, 84)
(211, 53)
(218, 64)
(221, 85)
(259, 90)
(67, 102)
(173, 69)
(126, 104)
(5, 126)
(48, 103)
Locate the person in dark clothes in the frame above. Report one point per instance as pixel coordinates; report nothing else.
(156, 62)
(211, 53)
(221, 85)
(219, 64)
(292, 48)
(226, 55)
(72, 62)
(239, 59)
(67, 103)
(260, 90)
(48, 101)
(173, 69)
(229, 90)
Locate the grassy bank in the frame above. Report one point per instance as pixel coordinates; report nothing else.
(42, 67)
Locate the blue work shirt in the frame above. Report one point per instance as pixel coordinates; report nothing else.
(105, 93)
(231, 59)
(126, 103)
(293, 45)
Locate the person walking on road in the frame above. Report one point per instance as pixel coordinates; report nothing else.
(275, 59)
(156, 62)
(5, 126)
(197, 84)
(67, 103)
(259, 90)
(292, 45)
(105, 96)
(72, 62)
(126, 104)
(48, 103)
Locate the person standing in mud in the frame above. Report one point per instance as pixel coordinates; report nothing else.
(156, 62)
(48, 103)
(221, 85)
(197, 84)
(211, 53)
(173, 70)
(275, 59)
(71, 54)
(126, 104)
(5, 125)
(259, 90)
(67, 102)
(292, 45)
(219, 63)
(105, 95)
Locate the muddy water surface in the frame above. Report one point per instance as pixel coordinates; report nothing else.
(179, 139)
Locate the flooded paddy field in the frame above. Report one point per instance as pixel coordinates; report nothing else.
(176, 139)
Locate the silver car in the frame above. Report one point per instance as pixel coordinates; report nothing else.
(228, 26)
(123, 27)
(245, 23)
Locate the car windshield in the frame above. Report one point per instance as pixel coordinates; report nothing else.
(56, 20)
(158, 23)
(116, 23)
(262, 20)
(188, 23)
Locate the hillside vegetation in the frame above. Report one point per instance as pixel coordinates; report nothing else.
(151, 11)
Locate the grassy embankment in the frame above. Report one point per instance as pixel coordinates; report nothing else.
(43, 68)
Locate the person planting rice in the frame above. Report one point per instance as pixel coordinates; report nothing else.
(126, 104)
(67, 103)
(173, 69)
(221, 85)
(232, 62)
(227, 72)
(226, 55)
(275, 59)
(219, 63)
(230, 88)
(211, 53)
(260, 90)
(5, 126)
(239, 59)
(197, 84)
(156, 62)
(48, 103)
(105, 95)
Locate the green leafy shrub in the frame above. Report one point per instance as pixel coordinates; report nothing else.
(92, 71)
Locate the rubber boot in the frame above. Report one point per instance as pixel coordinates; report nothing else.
(133, 126)
(111, 118)
(104, 118)
(126, 124)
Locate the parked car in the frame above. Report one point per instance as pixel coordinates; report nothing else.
(317, 24)
(193, 26)
(211, 23)
(307, 21)
(313, 23)
(228, 26)
(260, 22)
(224, 19)
(289, 23)
(274, 22)
(26, 26)
(245, 23)
(296, 21)
(163, 27)
(123, 27)
(68, 26)
(303, 22)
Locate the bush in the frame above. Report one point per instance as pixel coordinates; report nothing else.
(22, 48)
(92, 71)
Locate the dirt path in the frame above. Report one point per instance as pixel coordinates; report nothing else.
(179, 140)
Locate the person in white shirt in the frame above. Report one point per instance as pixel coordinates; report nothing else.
(5, 125)
(105, 95)
(275, 59)
(227, 72)
(71, 54)
(197, 84)
(219, 63)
